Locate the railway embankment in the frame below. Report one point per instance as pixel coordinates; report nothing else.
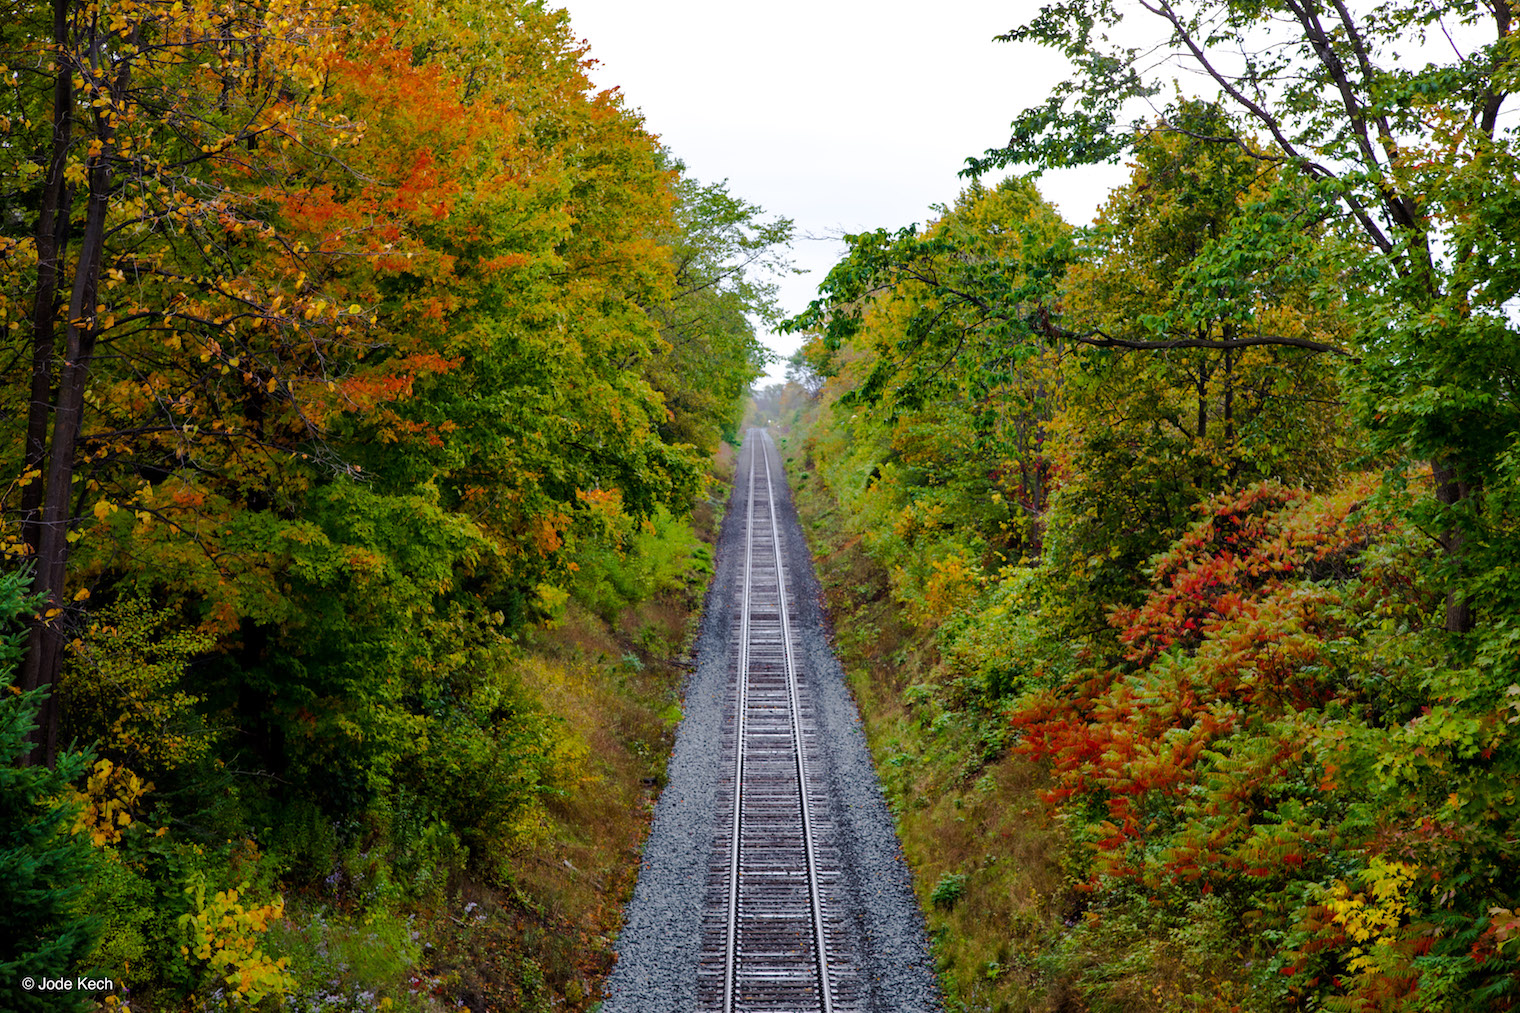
(985, 856)
(668, 938)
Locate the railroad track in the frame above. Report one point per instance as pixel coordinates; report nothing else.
(774, 936)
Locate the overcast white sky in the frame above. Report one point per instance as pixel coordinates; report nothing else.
(840, 114)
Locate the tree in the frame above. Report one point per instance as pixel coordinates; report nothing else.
(159, 119)
(958, 320)
(323, 237)
(1415, 157)
(723, 248)
(334, 511)
(1143, 435)
(1173, 291)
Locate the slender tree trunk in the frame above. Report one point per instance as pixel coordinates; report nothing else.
(44, 658)
(1451, 490)
(1229, 413)
(52, 241)
(1203, 405)
(45, 648)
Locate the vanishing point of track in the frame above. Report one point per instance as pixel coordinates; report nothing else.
(772, 939)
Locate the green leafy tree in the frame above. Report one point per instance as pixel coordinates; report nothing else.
(724, 251)
(1413, 152)
(1143, 435)
(949, 334)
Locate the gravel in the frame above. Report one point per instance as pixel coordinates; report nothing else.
(660, 946)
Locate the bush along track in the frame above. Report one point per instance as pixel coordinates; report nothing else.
(1258, 787)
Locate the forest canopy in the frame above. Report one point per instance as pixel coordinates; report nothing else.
(342, 342)
(1209, 508)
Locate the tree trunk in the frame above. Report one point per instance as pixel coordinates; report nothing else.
(45, 648)
(1201, 429)
(1451, 490)
(52, 241)
(1229, 414)
(44, 658)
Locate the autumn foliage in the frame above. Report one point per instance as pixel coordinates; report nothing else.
(1113, 479)
(339, 337)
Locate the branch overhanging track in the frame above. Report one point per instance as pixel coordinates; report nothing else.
(775, 938)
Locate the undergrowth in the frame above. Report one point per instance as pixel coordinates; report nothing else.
(985, 855)
(487, 873)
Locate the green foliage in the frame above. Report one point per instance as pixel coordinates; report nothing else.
(1144, 434)
(722, 249)
(1004, 645)
(637, 562)
(1284, 770)
(1417, 162)
(125, 685)
(485, 774)
(425, 853)
(950, 888)
(938, 340)
(46, 928)
(1265, 729)
(969, 292)
(344, 967)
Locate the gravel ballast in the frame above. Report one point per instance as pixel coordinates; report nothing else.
(659, 948)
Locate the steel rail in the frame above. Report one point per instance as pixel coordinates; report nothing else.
(731, 961)
(751, 601)
(809, 847)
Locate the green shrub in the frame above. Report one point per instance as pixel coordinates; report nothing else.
(950, 888)
(636, 564)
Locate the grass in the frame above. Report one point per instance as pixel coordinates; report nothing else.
(617, 687)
